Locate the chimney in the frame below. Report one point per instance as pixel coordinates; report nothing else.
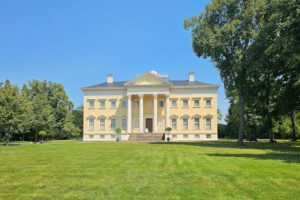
(191, 77)
(110, 78)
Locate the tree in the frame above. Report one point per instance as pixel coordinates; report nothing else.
(220, 116)
(14, 112)
(78, 118)
(42, 134)
(223, 33)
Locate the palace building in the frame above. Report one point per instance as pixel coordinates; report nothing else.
(144, 106)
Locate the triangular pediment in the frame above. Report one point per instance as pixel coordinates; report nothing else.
(147, 79)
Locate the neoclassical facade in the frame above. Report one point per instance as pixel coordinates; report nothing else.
(148, 104)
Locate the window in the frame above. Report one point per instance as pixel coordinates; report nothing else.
(197, 136)
(185, 136)
(124, 104)
(196, 103)
(124, 124)
(185, 123)
(91, 104)
(102, 124)
(208, 136)
(113, 136)
(161, 103)
(102, 103)
(174, 136)
(185, 103)
(208, 123)
(102, 136)
(136, 104)
(208, 102)
(196, 123)
(113, 103)
(113, 124)
(91, 136)
(136, 123)
(91, 124)
(174, 124)
(174, 103)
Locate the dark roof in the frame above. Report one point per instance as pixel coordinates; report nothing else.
(175, 83)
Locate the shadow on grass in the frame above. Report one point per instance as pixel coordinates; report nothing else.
(287, 157)
(289, 151)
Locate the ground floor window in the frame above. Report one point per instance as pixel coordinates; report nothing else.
(102, 136)
(102, 124)
(113, 136)
(91, 136)
(208, 123)
(197, 136)
(124, 124)
(174, 136)
(91, 124)
(113, 124)
(208, 136)
(174, 124)
(136, 123)
(196, 123)
(185, 136)
(185, 123)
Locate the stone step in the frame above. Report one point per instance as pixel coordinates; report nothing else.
(147, 137)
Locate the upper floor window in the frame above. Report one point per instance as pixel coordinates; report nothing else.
(91, 124)
(91, 104)
(124, 103)
(124, 124)
(102, 124)
(113, 104)
(174, 124)
(208, 123)
(102, 103)
(161, 103)
(113, 124)
(196, 103)
(137, 103)
(208, 103)
(174, 103)
(196, 123)
(185, 123)
(185, 103)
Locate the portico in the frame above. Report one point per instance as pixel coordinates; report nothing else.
(150, 114)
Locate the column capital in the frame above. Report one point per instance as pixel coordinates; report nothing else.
(141, 95)
(155, 95)
(129, 96)
(167, 95)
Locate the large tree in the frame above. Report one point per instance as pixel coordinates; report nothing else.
(223, 33)
(15, 112)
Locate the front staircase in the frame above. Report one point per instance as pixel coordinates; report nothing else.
(146, 137)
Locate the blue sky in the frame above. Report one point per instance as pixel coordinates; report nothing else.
(77, 43)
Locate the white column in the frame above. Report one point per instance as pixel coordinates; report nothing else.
(129, 113)
(155, 113)
(141, 113)
(167, 111)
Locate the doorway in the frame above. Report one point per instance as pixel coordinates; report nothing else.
(149, 124)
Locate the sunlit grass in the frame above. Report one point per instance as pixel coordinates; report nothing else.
(126, 170)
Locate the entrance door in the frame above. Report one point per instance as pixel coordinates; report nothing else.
(149, 123)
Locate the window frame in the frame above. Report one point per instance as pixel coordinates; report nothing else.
(124, 126)
(136, 103)
(173, 124)
(161, 103)
(187, 103)
(111, 124)
(197, 125)
(187, 123)
(111, 103)
(100, 125)
(124, 104)
(174, 100)
(91, 127)
(196, 100)
(91, 102)
(208, 123)
(208, 100)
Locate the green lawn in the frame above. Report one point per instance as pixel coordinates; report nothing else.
(109, 170)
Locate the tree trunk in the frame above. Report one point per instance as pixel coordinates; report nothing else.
(270, 131)
(242, 120)
(294, 137)
(36, 135)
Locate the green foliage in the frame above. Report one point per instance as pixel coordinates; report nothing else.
(168, 129)
(42, 133)
(220, 116)
(118, 130)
